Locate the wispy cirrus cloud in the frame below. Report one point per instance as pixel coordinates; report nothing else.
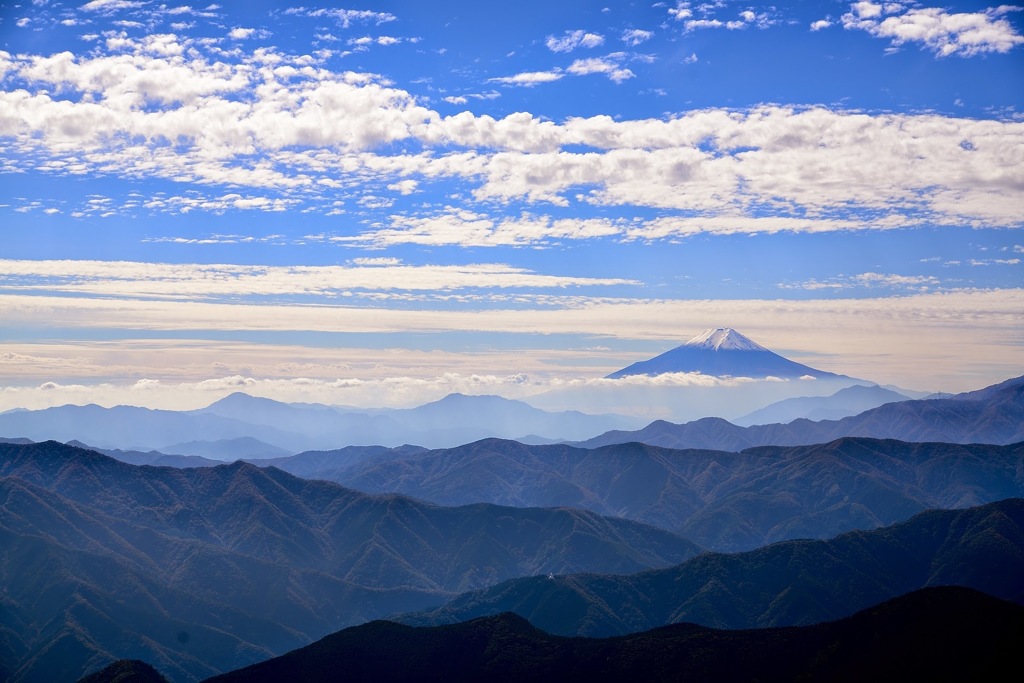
(995, 262)
(454, 226)
(185, 281)
(894, 281)
(218, 239)
(864, 337)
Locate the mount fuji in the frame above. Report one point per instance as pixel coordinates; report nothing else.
(723, 352)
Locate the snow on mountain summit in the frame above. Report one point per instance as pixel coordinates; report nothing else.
(723, 352)
(724, 339)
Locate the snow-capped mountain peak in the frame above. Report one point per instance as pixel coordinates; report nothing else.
(724, 339)
(722, 352)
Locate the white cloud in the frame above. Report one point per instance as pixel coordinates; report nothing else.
(995, 262)
(197, 202)
(364, 42)
(529, 78)
(820, 24)
(814, 158)
(572, 40)
(870, 280)
(869, 338)
(695, 24)
(395, 391)
(246, 33)
(702, 16)
(108, 6)
(609, 65)
(681, 11)
(635, 36)
(377, 261)
(404, 187)
(198, 281)
(866, 10)
(966, 34)
(217, 239)
(598, 65)
(260, 123)
(466, 228)
(668, 227)
(746, 18)
(345, 17)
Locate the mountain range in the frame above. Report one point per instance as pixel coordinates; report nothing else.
(937, 634)
(331, 516)
(849, 401)
(243, 447)
(243, 426)
(794, 583)
(994, 414)
(240, 426)
(203, 570)
(721, 500)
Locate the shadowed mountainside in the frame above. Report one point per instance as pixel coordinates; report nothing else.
(794, 583)
(724, 501)
(126, 671)
(938, 634)
(206, 569)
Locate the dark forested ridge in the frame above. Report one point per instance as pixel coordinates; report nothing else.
(723, 501)
(126, 671)
(938, 634)
(206, 569)
(785, 584)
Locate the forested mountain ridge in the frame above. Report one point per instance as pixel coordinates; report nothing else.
(793, 583)
(106, 560)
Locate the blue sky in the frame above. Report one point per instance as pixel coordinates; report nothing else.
(380, 203)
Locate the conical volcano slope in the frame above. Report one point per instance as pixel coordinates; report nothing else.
(723, 352)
